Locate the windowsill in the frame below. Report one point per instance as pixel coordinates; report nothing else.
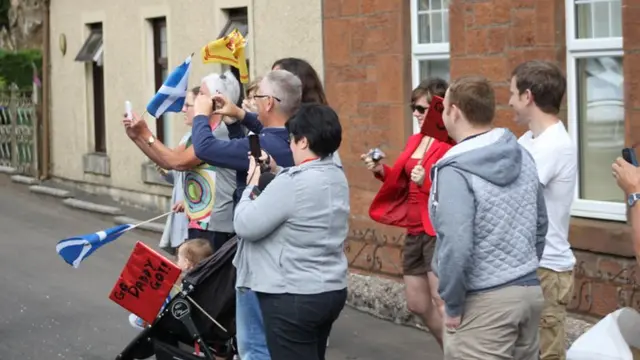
(150, 175)
(601, 236)
(96, 163)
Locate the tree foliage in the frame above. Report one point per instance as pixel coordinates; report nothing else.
(17, 66)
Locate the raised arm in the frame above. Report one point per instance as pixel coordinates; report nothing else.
(177, 159)
(230, 154)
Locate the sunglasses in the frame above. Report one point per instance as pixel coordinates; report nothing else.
(419, 108)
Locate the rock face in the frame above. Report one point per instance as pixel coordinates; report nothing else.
(24, 30)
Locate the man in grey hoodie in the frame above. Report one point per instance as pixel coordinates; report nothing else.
(489, 213)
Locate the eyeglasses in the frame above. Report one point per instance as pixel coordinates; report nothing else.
(419, 108)
(266, 96)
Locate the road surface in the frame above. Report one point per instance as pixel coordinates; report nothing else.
(49, 311)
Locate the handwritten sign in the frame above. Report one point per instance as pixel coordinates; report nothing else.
(433, 124)
(145, 282)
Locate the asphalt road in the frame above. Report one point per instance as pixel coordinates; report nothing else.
(48, 310)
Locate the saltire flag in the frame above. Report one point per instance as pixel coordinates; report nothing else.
(75, 249)
(172, 94)
(228, 50)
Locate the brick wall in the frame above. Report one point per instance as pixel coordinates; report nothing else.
(492, 37)
(368, 82)
(604, 283)
(367, 54)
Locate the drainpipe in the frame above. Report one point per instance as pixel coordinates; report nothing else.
(46, 84)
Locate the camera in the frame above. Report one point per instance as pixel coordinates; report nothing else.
(376, 155)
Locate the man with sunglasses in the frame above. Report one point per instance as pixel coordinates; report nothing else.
(277, 99)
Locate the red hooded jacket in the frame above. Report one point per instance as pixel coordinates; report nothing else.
(390, 206)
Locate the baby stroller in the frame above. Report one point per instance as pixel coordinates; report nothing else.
(197, 314)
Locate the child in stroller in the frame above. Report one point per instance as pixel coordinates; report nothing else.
(202, 312)
(190, 254)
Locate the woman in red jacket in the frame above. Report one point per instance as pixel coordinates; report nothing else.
(402, 201)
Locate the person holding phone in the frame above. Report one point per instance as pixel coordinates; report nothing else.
(627, 176)
(277, 99)
(209, 211)
(293, 233)
(402, 201)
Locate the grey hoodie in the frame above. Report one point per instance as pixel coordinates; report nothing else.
(488, 210)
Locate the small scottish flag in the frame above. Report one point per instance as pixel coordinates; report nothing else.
(171, 95)
(74, 250)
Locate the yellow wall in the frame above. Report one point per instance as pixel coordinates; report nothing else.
(277, 28)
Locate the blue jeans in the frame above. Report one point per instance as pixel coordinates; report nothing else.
(252, 342)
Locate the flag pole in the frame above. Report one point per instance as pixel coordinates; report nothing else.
(150, 220)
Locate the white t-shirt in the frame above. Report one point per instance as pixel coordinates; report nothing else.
(556, 160)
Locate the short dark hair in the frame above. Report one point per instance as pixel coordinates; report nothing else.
(429, 87)
(320, 125)
(546, 82)
(312, 90)
(475, 97)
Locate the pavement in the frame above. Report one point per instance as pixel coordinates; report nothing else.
(48, 310)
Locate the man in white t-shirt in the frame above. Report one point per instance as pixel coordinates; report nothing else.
(537, 89)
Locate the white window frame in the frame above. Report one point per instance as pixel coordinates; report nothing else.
(420, 52)
(579, 49)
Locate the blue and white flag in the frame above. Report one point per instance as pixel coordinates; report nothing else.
(172, 94)
(75, 249)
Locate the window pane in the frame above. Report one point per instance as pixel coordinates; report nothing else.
(598, 18)
(601, 19)
(600, 125)
(90, 47)
(433, 21)
(445, 26)
(434, 68)
(616, 18)
(423, 29)
(163, 41)
(436, 23)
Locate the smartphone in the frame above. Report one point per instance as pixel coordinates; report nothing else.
(629, 155)
(254, 146)
(127, 110)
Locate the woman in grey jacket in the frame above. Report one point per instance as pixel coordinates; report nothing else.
(294, 233)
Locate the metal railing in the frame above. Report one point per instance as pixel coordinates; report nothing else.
(18, 131)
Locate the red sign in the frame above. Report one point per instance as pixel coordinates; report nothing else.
(145, 282)
(433, 124)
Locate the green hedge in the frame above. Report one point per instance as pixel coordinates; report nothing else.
(15, 66)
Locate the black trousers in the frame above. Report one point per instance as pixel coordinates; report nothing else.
(297, 326)
(216, 238)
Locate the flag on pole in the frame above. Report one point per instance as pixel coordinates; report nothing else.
(75, 249)
(172, 94)
(228, 50)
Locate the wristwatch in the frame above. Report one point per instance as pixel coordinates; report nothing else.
(633, 198)
(151, 140)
